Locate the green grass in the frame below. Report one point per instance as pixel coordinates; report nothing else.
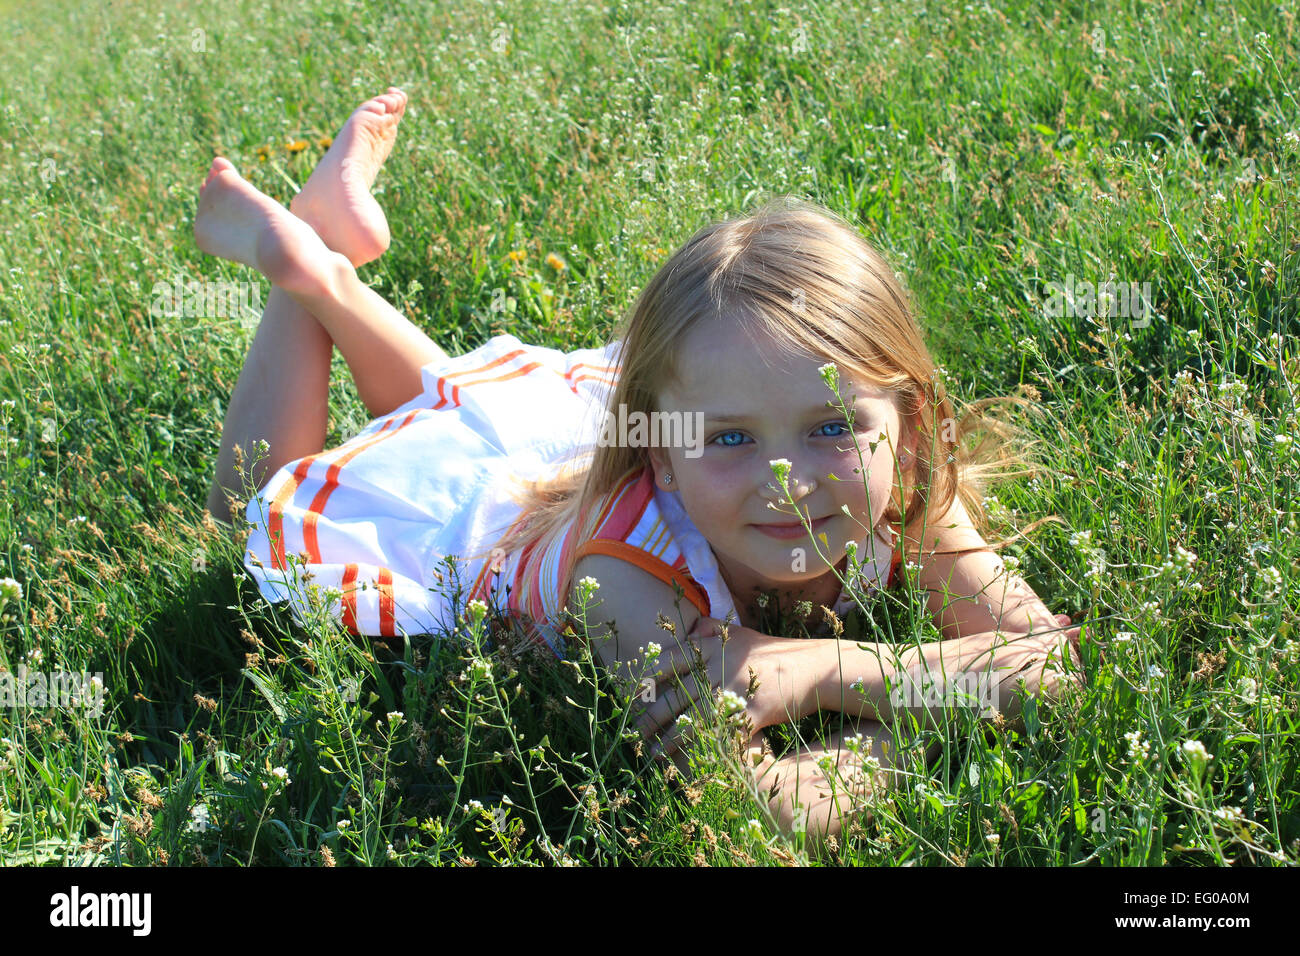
(985, 152)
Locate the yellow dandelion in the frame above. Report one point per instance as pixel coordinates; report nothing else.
(262, 153)
(517, 255)
(297, 145)
(555, 262)
(324, 142)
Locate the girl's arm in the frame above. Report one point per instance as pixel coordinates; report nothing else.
(776, 676)
(996, 630)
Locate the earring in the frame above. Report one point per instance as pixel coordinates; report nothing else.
(668, 479)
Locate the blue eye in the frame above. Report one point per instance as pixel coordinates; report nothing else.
(843, 425)
(726, 444)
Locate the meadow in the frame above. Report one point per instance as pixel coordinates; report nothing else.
(551, 157)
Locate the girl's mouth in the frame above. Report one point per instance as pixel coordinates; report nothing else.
(792, 529)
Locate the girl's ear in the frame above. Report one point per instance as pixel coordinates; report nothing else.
(660, 464)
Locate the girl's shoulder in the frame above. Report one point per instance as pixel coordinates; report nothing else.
(953, 533)
(629, 527)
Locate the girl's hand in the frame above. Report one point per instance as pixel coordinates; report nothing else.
(772, 674)
(1072, 634)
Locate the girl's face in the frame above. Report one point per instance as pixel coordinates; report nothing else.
(760, 404)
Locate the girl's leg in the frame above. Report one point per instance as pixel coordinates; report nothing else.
(282, 393)
(384, 350)
(282, 396)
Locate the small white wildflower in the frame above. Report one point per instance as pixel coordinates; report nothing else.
(1196, 753)
(281, 776)
(477, 610)
(395, 717)
(731, 703)
(827, 764)
(754, 829)
(200, 819)
(781, 468)
(10, 590)
(830, 375)
(1154, 672)
(1230, 814)
(1272, 580)
(587, 587)
(343, 825)
(1138, 749)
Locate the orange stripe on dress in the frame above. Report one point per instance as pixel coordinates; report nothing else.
(522, 370)
(387, 603)
(655, 566)
(601, 373)
(350, 572)
(317, 507)
(275, 516)
(446, 379)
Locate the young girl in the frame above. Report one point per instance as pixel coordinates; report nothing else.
(506, 459)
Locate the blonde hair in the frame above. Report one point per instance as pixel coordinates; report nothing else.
(803, 276)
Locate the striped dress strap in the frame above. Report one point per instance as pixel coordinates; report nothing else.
(633, 530)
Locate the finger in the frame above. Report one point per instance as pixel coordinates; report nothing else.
(678, 661)
(708, 627)
(673, 699)
(672, 740)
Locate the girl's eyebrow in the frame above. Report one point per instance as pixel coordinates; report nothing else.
(733, 418)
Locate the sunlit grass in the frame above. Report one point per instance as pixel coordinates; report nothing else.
(987, 152)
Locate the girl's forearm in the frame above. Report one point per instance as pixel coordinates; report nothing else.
(981, 671)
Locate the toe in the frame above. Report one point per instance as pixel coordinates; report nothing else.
(219, 165)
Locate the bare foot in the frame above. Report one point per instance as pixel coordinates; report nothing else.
(336, 201)
(235, 221)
